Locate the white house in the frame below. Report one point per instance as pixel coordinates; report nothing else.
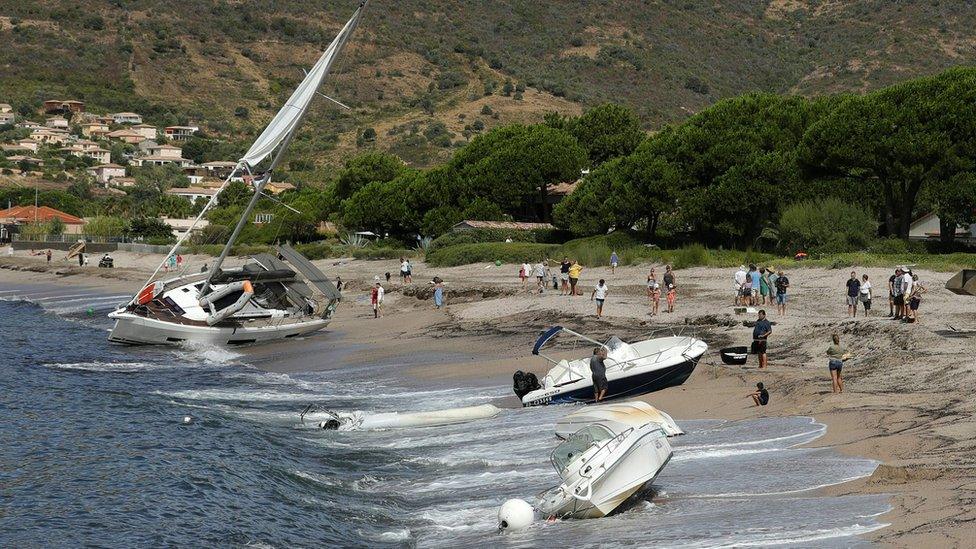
(58, 122)
(98, 154)
(5, 108)
(158, 155)
(192, 193)
(180, 133)
(7, 118)
(181, 226)
(126, 118)
(126, 136)
(928, 227)
(105, 173)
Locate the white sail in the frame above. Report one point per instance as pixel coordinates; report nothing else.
(290, 115)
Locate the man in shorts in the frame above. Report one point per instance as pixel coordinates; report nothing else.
(761, 395)
(760, 334)
(897, 297)
(599, 370)
(782, 284)
(564, 276)
(853, 292)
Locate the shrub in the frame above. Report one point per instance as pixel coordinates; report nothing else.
(316, 250)
(826, 226)
(487, 252)
(693, 255)
(382, 253)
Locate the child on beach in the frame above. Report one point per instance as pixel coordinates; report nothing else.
(654, 292)
(376, 298)
(760, 396)
(438, 292)
(600, 294)
(866, 294)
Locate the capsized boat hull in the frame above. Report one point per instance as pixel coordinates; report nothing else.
(359, 421)
(581, 391)
(642, 461)
(133, 329)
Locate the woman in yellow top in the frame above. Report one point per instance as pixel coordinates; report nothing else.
(574, 274)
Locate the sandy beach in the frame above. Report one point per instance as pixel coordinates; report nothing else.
(907, 400)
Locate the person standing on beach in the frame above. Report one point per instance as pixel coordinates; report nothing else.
(540, 276)
(49, 256)
(438, 292)
(404, 268)
(600, 294)
(866, 294)
(836, 355)
(763, 285)
(598, 369)
(746, 290)
(81, 259)
(574, 275)
(739, 279)
(896, 293)
(654, 292)
(614, 260)
(671, 286)
(526, 271)
(891, 294)
(755, 284)
(916, 298)
(907, 287)
(376, 298)
(179, 261)
(760, 336)
(564, 276)
(782, 284)
(853, 292)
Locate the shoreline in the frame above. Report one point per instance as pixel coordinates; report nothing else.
(907, 403)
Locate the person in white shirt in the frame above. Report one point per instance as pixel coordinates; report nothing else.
(906, 289)
(540, 276)
(740, 279)
(866, 294)
(600, 295)
(527, 269)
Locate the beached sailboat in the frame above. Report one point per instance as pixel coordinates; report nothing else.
(271, 296)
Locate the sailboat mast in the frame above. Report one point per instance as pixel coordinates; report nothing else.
(259, 184)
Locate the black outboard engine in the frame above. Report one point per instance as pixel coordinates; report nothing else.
(524, 383)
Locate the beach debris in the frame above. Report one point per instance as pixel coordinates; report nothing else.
(515, 514)
(187, 420)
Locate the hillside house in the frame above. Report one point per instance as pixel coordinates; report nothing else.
(60, 106)
(49, 136)
(158, 155)
(28, 143)
(274, 187)
(58, 122)
(94, 129)
(5, 108)
(96, 153)
(124, 181)
(126, 118)
(196, 174)
(165, 151)
(145, 130)
(192, 193)
(15, 149)
(23, 215)
(126, 136)
(180, 133)
(7, 118)
(28, 125)
(105, 173)
(219, 169)
(33, 162)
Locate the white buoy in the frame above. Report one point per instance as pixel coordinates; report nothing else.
(187, 420)
(515, 514)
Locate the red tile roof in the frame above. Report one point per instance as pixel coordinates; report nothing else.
(44, 214)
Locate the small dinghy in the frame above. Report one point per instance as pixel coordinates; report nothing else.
(362, 421)
(735, 356)
(619, 416)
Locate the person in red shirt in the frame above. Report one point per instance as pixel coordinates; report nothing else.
(376, 299)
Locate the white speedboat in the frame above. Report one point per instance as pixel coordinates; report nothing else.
(360, 421)
(632, 369)
(618, 416)
(601, 467)
(265, 299)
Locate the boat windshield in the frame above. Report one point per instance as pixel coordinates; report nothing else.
(577, 443)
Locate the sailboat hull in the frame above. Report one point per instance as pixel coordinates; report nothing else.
(132, 329)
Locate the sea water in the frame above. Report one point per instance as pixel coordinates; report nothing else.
(94, 450)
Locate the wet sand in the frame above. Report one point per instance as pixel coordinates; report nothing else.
(908, 394)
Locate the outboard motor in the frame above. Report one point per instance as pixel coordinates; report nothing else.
(524, 383)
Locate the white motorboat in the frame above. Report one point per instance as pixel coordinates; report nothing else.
(270, 297)
(618, 416)
(632, 369)
(601, 467)
(360, 421)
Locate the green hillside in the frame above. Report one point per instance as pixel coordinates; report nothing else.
(427, 76)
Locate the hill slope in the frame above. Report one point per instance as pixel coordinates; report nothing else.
(421, 73)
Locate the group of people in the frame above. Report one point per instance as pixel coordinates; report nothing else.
(569, 275)
(173, 262)
(760, 286)
(904, 295)
(654, 289)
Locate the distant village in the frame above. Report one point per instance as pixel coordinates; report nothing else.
(68, 130)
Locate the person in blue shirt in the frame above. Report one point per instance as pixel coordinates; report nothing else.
(853, 292)
(614, 261)
(760, 333)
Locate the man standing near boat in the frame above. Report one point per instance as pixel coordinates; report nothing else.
(760, 333)
(599, 370)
